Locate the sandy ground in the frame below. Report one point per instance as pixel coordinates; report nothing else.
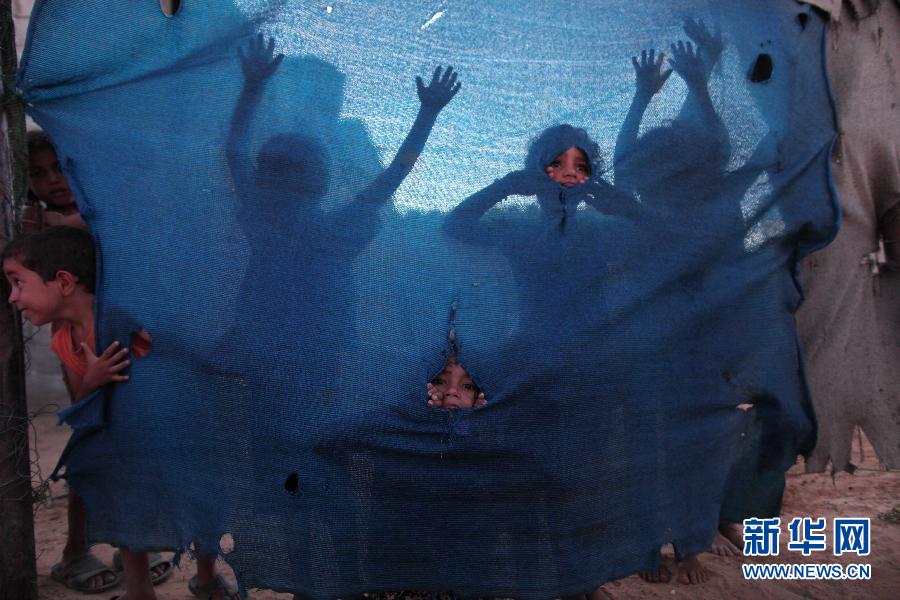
(867, 493)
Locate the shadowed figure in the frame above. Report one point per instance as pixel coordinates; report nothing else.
(558, 193)
(678, 170)
(567, 265)
(681, 163)
(546, 253)
(549, 250)
(299, 275)
(297, 296)
(681, 167)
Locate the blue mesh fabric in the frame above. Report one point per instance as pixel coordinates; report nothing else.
(302, 280)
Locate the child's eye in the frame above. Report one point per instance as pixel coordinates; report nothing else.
(583, 168)
(555, 163)
(469, 387)
(437, 381)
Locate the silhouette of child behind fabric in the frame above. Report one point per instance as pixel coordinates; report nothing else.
(684, 161)
(298, 279)
(547, 254)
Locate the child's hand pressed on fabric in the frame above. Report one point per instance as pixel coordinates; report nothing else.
(440, 91)
(439, 399)
(711, 41)
(688, 64)
(649, 74)
(103, 369)
(435, 398)
(258, 61)
(553, 173)
(528, 183)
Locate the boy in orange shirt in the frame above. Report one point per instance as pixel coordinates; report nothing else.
(51, 274)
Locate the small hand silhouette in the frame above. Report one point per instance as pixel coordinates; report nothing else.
(440, 91)
(710, 41)
(688, 64)
(258, 62)
(650, 76)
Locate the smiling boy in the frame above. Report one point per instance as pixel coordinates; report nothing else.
(51, 279)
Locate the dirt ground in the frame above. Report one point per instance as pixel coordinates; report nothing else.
(867, 493)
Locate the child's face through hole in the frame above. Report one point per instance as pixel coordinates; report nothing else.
(453, 388)
(572, 167)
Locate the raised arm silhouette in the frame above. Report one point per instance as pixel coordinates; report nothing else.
(695, 145)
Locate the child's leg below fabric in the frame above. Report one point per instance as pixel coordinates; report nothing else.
(209, 584)
(76, 545)
(75, 542)
(661, 574)
(600, 594)
(137, 575)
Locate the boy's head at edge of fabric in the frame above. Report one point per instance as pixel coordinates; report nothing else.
(45, 266)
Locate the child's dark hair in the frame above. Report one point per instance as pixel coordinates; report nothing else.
(38, 141)
(555, 140)
(55, 249)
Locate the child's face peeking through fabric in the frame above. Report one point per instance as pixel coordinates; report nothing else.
(453, 388)
(48, 183)
(572, 167)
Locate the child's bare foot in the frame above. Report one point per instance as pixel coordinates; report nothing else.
(208, 584)
(601, 593)
(661, 574)
(723, 546)
(734, 533)
(692, 570)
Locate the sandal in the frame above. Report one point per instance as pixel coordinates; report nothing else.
(75, 573)
(217, 584)
(156, 560)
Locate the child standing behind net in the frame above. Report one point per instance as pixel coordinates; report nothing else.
(48, 189)
(51, 274)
